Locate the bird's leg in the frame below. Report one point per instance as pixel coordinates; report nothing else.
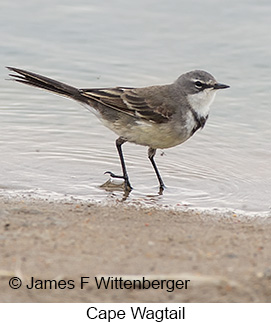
(127, 184)
(151, 154)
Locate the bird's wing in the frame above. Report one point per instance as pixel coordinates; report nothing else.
(130, 101)
(150, 103)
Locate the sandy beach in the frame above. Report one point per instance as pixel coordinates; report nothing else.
(61, 247)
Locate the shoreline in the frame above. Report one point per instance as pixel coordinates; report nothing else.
(137, 202)
(226, 258)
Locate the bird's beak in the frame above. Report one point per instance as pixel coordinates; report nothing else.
(219, 86)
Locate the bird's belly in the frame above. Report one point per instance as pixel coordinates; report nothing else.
(162, 135)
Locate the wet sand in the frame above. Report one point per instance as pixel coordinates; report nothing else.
(222, 258)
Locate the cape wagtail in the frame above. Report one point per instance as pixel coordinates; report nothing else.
(159, 116)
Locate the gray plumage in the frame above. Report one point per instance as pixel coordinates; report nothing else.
(159, 116)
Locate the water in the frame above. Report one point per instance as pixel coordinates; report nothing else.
(52, 146)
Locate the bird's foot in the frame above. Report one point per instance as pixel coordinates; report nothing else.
(161, 189)
(127, 184)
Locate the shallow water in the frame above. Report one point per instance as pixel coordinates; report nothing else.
(50, 145)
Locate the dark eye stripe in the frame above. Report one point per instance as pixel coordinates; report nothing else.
(202, 86)
(198, 84)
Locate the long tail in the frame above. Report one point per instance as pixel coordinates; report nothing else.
(46, 83)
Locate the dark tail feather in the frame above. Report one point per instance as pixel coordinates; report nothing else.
(46, 83)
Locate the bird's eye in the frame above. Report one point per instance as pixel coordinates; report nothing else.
(198, 84)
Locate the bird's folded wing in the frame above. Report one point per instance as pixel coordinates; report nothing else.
(128, 101)
(150, 104)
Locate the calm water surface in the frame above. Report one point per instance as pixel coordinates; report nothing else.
(51, 146)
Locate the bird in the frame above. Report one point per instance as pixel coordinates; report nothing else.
(157, 116)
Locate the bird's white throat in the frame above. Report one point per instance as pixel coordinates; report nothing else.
(201, 101)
